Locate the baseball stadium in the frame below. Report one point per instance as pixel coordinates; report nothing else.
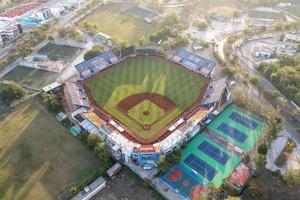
(145, 94)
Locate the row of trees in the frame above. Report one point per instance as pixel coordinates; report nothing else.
(98, 146)
(95, 51)
(285, 75)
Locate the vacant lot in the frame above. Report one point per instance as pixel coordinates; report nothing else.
(59, 52)
(33, 78)
(224, 10)
(152, 75)
(112, 20)
(127, 185)
(39, 158)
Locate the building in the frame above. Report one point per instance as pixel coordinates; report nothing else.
(194, 62)
(91, 190)
(264, 53)
(96, 64)
(75, 96)
(264, 16)
(114, 170)
(239, 177)
(9, 30)
(216, 94)
(291, 38)
(146, 156)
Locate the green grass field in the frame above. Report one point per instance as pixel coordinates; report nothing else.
(38, 156)
(146, 74)
(112, 20)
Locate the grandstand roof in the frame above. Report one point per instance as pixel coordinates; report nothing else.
(93, 118)
(97, 63)
(214, 91)
(77, 94)
(194, 62)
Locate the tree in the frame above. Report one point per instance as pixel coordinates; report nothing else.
(262, 149)
(24, 48)
(292, 177)
(95, 51)
(13, 91)
(202, 25)
(254, 80)
(52, 103)
(142, 42)
(228, 71)
(93, 140)
(256, 189)
(170, 19)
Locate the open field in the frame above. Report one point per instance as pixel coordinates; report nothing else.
(39, 158)
(224, 10)
(127, 185)
(59, 52)
(164, 86)
(113, 21)
(34, 78)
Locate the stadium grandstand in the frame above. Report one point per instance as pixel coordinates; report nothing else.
(96, 64)
(75, 96)
(216, 94)
(194, 62)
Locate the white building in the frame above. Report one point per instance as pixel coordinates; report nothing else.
(291, 38)
(9, 30)
(263, 53)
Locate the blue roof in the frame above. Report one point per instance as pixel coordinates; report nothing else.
(99, 62)
(194, 62)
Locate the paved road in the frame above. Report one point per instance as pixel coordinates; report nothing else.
(249, 67)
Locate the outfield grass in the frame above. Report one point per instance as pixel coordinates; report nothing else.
(146, 74)
(34, 78)
(112, 20)
(39, 158)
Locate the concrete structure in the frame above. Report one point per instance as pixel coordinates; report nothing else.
(91, 190)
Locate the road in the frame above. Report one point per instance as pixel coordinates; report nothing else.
(250, 68)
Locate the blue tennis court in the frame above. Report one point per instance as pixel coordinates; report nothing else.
(214, 152)
(200, 166)
(232, 132)
(243, 120)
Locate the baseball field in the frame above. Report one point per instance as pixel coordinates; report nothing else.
(145, 93)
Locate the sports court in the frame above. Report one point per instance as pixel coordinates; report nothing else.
(185, 182)
(211, 162)
(238, 127)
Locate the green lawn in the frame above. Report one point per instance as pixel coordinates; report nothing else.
(34, 78)
(146, 74)
(112, 20)
(38, 157)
